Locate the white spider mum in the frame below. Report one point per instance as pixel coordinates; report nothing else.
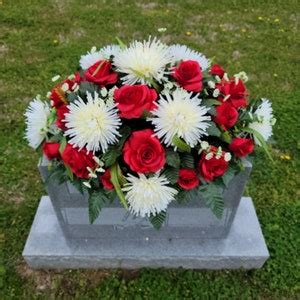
(90, 58)
(143, 61)
(36, 115)
(180, 115)
(110, 50)
(265, 120)
(148, 196)
(182, 52)
(93, 124)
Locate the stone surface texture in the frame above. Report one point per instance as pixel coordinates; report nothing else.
(48, 246)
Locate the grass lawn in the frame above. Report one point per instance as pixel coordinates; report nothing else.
(42, 38)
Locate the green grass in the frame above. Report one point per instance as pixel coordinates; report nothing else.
(39, 39)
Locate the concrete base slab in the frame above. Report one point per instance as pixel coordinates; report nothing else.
(244, 247)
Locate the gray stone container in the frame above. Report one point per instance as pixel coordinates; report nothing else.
(188, 221)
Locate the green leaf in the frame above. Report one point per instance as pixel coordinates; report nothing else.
(96, 201)
(230, 173)
(78, 184)
(171, 174)
(115, 174)
(212, 196)
(110, 156)
(211, 102)
(125, 132)
(185, 196)
(69, 172)
(63, 144)
(180, 144)
(260, 139)
(187, 161)
(213, 130)
(172, 158)
(121, 43)
(72, 97)
(57, 174)
(158, 219)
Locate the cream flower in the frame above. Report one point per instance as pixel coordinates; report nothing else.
(93, 124)
(90, 58)
(148, 196)
(265, 120)
(36, 115)
(180, 114)
(182, 52)
(143, 61)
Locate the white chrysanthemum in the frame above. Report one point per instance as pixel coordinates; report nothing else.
(110, 50)
(182, 52)
(90, 58)
(36, 115)
(182, 115)
(148, 195)
(143, 61)
(263, 125)
(93, 124)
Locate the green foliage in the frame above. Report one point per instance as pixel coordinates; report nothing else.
(173, 158)
(187, 161)
(230, 173)
(180, 144)
(96, 201)
(213, 130)
(171, 174)
(212, 195)
(158, 219)
(110, 156)
(57, 173)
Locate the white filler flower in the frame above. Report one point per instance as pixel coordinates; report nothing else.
(265, 120)
(90, 58)
(182, 115)
(148, 195)
(36, 115)
(110, 50)
(182, 52)
(143, 61)
(93, 124)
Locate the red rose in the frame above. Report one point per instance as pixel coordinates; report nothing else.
(58, 95)
(189, 75)
(234, 92)
(188, 179)
(213, 167)
(226, 116)
(134, 99)
(105, 180)
(51, 150)
(241, 147)
(60, 112)
(101, 73)
(217, 70)
(143, 152)
(78, 161)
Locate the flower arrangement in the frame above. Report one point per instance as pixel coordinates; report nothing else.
(151, 124)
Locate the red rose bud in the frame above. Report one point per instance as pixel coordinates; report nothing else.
(217, 70)
(233, 91)
(51, 150)
(105, 180)
(189, 75)
(134, 99)
(226, 116)
(211, 167)
(78, 161)
(188, 179)
(143, 152)
(101, 73)
(58, 94)
(241, 147)
(60, 112)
